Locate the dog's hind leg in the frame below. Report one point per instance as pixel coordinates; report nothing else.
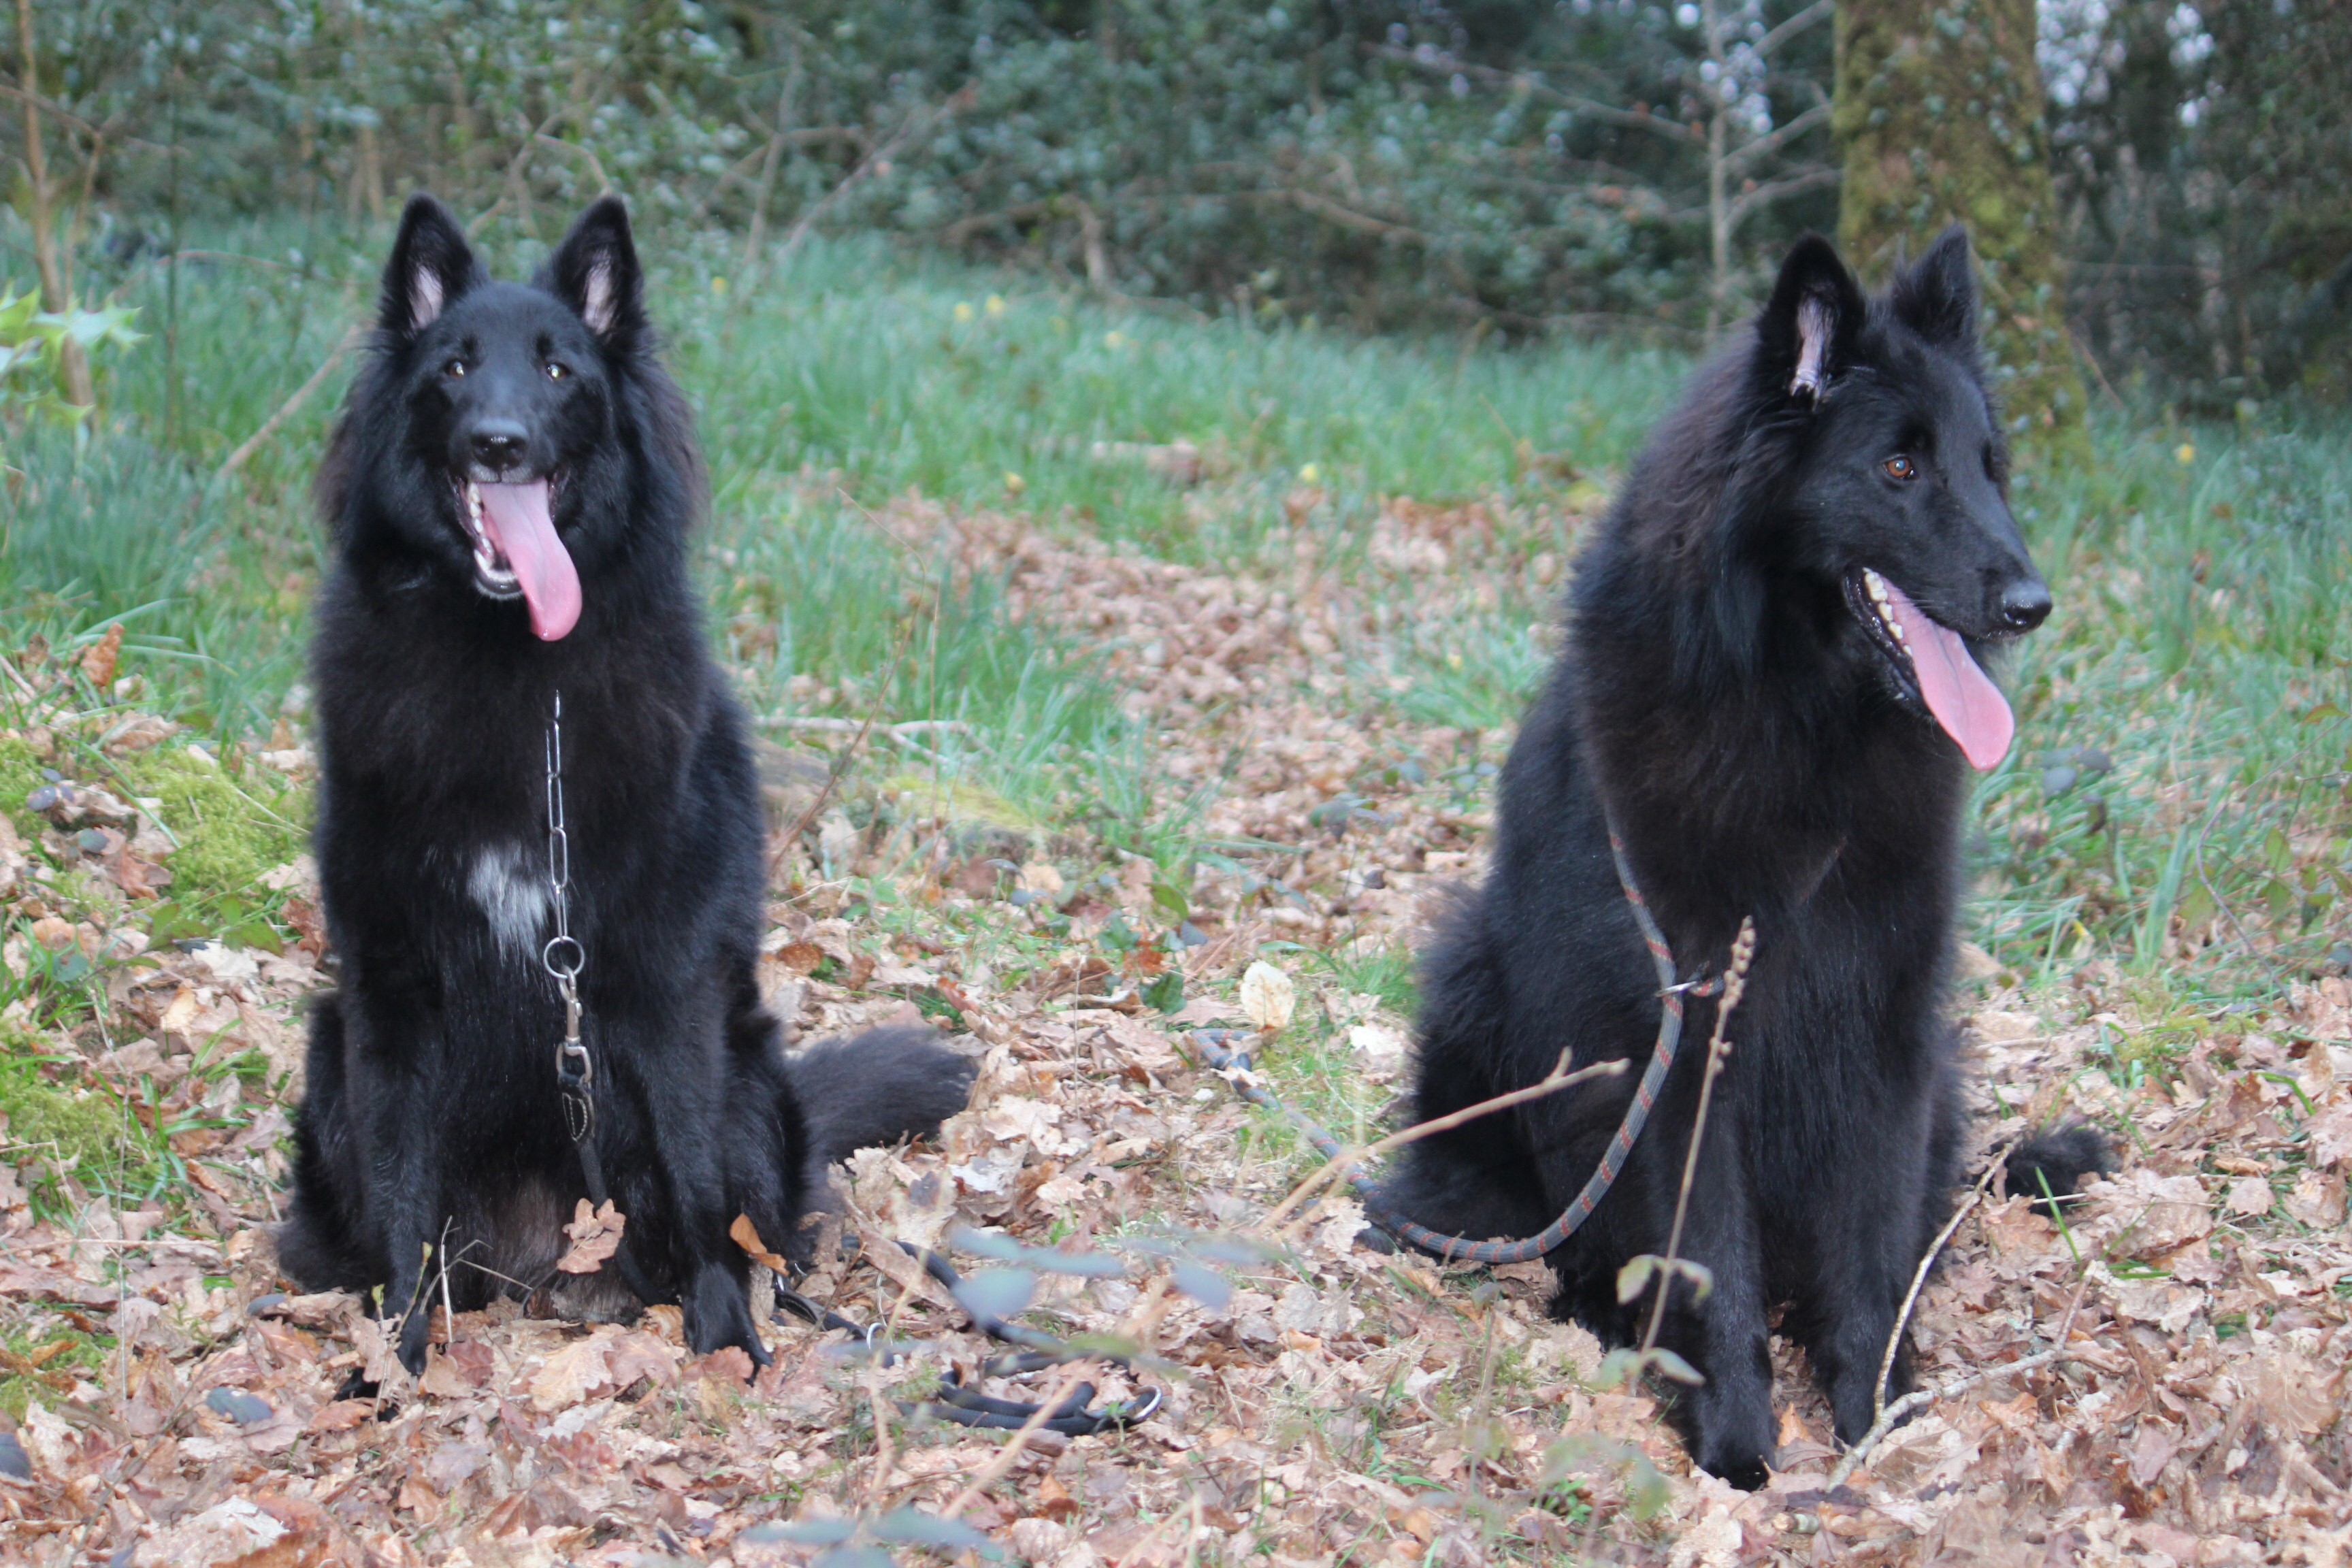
(1462, 1184)
(322, 1244)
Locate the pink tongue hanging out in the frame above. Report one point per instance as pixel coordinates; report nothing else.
(1965, 702)
(517, 520)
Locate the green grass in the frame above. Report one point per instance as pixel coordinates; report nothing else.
(2202, 602)
(2204, 605)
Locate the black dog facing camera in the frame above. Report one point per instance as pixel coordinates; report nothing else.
(509, 491)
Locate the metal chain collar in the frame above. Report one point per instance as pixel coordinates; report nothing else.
(563, 957)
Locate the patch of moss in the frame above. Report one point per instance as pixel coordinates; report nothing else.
(64, 1123)
(231, 829)
(20, 776)
(83, 1353)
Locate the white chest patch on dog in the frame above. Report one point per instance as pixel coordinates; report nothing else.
(510, 886)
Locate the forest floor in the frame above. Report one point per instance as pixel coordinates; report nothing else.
(2185, 1329)
(1100, 656)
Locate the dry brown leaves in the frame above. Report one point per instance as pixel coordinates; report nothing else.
(1338, 1405)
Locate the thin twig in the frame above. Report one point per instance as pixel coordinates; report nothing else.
(1920, 1278)
(784, 98)
(514, 170)
(1718, 1049)
(1919, 1398)
(293, 405)
(1142, 1326)
(859, 727)
(1560, 1078)
(994, 1471)
(914, 125)
(884, 1455)
(23, 685)
(603, 181)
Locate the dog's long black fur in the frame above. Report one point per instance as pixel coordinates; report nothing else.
(1765, 750)
(431, 1117)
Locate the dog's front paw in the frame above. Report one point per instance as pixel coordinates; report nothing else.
(1739, 1463)
(414, 1329)
(719, 1314)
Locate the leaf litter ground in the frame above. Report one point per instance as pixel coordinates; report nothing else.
(172, 1402)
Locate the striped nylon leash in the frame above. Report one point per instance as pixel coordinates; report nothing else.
(1235, 1067)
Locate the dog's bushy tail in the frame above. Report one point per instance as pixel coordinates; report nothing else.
(860, 1090)
(2060, 1157)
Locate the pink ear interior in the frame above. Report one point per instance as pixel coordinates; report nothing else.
(1814, 322)
(596, 304)
(424, 297)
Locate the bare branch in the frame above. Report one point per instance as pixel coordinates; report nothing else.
(1919, 1398)
(1773, 141)
(1764, 195)
(1819, 11)
(1895, 1413)
(1719, 1050)
(1673, 130)
(288, 409)
(1560, 1078)
(1920, 1278)
(1330, 211)
(912, 126)
(603, 181)
(514, 170)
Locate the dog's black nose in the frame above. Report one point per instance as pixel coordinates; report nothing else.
(2025, 605)
(498, 445)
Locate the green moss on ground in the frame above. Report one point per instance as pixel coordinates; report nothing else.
(20, 776)
(84, 1126)
(231, 830)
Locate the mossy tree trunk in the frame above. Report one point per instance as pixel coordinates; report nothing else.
(1938, 120)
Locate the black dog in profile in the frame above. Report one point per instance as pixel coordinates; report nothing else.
(1773, 691)
(510, 491)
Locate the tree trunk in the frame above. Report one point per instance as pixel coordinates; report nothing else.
(1938, 120)
(73, 365)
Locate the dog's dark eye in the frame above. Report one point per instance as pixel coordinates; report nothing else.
(1900, 467)
(557, 369)
(455, 370)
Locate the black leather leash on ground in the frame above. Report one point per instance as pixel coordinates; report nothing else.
(963, 1404)
(1235, 1068)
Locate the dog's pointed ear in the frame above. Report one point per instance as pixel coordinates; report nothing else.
(430, 266)
(1808, 328)
(1937, 298)
(596, 271)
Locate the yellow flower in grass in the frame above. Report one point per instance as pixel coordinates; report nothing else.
(962, 311)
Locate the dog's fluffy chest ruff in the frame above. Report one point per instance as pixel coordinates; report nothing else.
(507, 883)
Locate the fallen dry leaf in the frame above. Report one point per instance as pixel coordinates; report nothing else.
(99, 662)
(1267, 999)
(595, 1235)
(747, 1235)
